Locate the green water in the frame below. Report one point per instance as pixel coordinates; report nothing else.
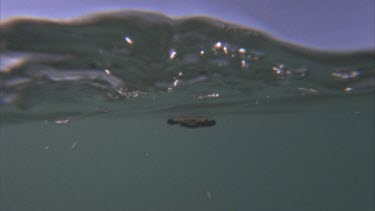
(294, 127)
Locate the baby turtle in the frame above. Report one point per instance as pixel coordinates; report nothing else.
(192, 121)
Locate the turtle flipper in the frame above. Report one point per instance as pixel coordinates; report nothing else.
(192, 121)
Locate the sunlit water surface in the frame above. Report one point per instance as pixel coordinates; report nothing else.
(84, 106)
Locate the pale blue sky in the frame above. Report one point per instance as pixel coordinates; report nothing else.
(328, 24)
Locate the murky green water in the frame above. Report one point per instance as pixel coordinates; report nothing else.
(84, 106)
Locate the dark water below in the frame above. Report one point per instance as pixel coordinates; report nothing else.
(84, 107)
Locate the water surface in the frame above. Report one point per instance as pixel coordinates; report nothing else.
(84, 107)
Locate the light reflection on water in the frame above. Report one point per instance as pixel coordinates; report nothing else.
(108, 59)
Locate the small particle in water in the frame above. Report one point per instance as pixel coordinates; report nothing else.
(348, 89)
(121, 92)
(242, 51)
(129, 40)
(180, 74)
(62, 121)
(107, 72)
(46, 147)
(192, 121)
(279, 69)
(218, 45)
(209, 195)
(147, 155)
(244, 64)
(225, 49)
(176, 82)
(308, 90)
(74, 145)
(202, 52)
(213, 95)
(172, 54)
(345, 75)
(136, 93)
(197, 79)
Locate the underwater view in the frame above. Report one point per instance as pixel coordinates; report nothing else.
(140, 111)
